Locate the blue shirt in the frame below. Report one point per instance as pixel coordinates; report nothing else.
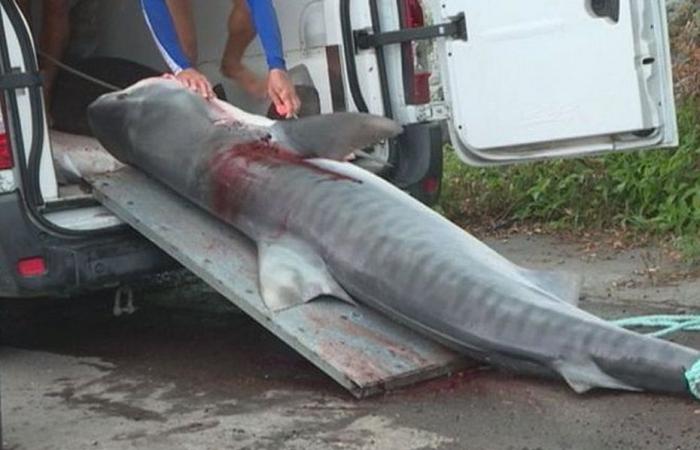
(162, 28)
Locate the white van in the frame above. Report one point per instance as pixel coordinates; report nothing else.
(511, 80)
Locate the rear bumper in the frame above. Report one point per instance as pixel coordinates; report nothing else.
(72, 265)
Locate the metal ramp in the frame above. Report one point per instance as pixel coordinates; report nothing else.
(360, 349)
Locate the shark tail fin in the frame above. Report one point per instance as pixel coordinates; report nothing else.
(333, 136)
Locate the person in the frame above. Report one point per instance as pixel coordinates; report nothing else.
(171, 24)
(53, 38)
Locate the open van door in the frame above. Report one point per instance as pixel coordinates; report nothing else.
(552, 78)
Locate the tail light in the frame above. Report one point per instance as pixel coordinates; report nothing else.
(431, 185)
(416, 72)
(5, 151)
(31, 267)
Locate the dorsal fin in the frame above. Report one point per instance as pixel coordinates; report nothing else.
(333, 136)
(564, 285)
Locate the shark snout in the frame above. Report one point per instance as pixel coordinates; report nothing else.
(107, 117)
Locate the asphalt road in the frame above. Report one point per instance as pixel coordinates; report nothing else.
(187, 371)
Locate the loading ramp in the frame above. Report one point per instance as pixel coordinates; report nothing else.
(359, 348)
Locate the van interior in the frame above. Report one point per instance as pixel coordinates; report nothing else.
(110, 42)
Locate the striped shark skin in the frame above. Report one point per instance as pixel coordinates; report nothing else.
(326, 227)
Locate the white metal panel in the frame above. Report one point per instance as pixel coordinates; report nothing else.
(550, 78)
(300, 23)
(366, 61)
(48, 184)
(84, 219)
(304, 43)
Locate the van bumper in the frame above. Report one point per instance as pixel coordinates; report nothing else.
(72, 265)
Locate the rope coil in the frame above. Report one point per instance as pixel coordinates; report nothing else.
(693, 377)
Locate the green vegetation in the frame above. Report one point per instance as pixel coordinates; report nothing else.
(656, 192)
(684, 19)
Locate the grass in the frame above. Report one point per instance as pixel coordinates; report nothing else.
(655, 192)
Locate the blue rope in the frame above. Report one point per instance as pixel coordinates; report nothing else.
(670, 324)
(693, 377)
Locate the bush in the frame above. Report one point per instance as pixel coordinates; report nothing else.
(685, 31)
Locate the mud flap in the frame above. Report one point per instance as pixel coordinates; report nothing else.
(417, 162)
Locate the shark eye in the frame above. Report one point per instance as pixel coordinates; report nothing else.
(122, 96)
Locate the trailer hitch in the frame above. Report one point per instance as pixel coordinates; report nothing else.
(457, 29)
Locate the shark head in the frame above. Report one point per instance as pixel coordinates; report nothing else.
(161, 113)
(134, 116)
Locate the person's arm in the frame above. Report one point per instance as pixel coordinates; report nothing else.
(162, 27)
(280, 87)
(265, 20)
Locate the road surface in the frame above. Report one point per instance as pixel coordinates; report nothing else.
(188, 371)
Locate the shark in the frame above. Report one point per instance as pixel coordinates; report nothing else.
(325, 227)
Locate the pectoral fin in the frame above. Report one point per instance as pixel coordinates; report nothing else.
(582, 377)
(291, 273)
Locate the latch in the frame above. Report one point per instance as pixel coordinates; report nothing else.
(19, 80)
(457, 29)
(607, 8)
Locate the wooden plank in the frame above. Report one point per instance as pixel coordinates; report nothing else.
(362, 350)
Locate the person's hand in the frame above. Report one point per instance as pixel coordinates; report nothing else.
(196, 81)
(283, 94)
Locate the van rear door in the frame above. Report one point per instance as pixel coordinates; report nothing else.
(552, 78)
(16, 50)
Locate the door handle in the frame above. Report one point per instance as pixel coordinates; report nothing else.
(606, 9)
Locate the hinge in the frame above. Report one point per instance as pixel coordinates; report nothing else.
(457, 29)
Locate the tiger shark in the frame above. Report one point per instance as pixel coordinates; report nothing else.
(324, 227)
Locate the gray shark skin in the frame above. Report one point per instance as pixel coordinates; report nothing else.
(326, 227)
